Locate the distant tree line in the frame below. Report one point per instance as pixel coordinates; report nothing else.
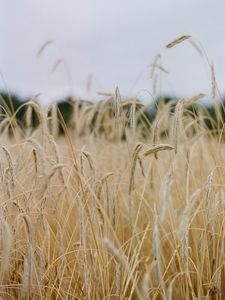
(12, 105)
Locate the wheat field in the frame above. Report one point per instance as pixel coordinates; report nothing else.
(120, 210)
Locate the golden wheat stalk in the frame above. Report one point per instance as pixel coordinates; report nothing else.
(161, 68)
(135, 158)
(6, 245)
(43, 47)
(193, 99)
(117, 103)
(57, 63)
(155, 62)
(10, 167)
(178, 41)
(157, 148)
(176, 123)
(55, 121)
(123, 261)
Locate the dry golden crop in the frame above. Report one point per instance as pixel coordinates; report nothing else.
(110, 213)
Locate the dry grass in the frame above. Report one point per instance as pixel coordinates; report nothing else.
(96, 216)
(118, 211)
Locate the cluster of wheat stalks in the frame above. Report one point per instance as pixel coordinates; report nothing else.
(110, 213)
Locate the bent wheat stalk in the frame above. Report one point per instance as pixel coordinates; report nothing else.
(157, 148)
(135, 158)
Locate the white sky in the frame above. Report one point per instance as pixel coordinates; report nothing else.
(114, 40)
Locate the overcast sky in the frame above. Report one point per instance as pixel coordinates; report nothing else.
(112, 41)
